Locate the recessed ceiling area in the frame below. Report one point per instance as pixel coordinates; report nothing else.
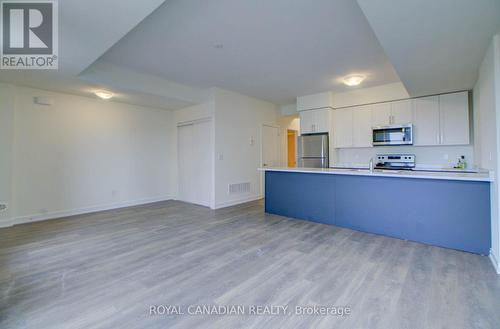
(274, 50)
(436, 46)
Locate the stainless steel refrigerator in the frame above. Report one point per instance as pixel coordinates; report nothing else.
(313, 151)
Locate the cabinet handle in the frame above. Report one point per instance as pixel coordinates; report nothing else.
(438, 138)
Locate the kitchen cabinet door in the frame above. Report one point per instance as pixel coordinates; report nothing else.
(362, 126)
(306, 122)
(454, 120)
(381, 114)
(322, 120)
(426, 130)
(342, 129)
(402, 112)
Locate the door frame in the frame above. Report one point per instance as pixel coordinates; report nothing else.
(296, 133)
(280, 151)
(262, 140)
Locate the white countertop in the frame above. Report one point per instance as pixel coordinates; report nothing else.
(482, 176)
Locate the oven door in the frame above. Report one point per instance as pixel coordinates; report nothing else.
(393, 135)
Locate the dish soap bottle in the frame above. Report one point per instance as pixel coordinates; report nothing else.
(461, 163)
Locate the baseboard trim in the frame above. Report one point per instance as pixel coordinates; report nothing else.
(80, 211)
(494, 261)
(236, 202)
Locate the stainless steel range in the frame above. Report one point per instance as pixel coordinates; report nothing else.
(395, 161)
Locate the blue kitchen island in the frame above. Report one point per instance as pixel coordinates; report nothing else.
(442, 209)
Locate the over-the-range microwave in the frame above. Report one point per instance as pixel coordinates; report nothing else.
(393, 135)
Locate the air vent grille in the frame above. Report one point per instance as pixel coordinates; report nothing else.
(239, 188)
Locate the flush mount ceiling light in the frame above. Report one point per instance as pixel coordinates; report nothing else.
(104, 94)
(353, 80)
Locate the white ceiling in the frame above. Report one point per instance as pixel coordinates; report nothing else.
(435, 45)
(164, 54)
(274, 50)
(85, 33)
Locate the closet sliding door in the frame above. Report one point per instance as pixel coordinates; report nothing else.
(195, 162)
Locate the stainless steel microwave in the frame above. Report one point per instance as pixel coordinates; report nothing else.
(393, 135)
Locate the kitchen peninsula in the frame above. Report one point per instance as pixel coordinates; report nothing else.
(450, 210)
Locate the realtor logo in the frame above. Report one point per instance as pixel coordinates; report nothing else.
(29, 34)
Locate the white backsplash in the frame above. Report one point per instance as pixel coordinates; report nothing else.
(426, 156)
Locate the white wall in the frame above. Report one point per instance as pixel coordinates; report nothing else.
(426, 156)
(291, 122)
(238, 121)
(83, 154)
(6, 142)
(383, 93)
(487, 132)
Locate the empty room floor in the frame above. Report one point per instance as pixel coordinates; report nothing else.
(108, 269)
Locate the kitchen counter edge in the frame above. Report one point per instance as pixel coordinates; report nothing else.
(476, 177)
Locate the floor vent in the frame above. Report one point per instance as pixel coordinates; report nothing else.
(239, 188)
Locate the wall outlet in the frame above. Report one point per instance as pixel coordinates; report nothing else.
(3, 207)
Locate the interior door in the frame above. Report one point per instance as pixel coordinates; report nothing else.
(292, 148)
(195, 162)
(270, 146)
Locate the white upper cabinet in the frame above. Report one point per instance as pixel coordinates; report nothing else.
(426, 121)
(402, 112)
(390, 113)
(322, 120)
(353, 127)
(316, 101)
(454, 118)
(381, 114)
(306, 122)
(315, 121)
(437, 120)
(343, 128)
(362, 126)
(442, 120)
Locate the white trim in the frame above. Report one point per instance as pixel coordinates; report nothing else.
(193, 122)
(236, 202)
(494, 262)
(80, 211)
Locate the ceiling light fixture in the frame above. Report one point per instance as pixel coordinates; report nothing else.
(354, 80)
(104, 94)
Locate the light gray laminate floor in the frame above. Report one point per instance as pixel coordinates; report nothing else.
(105, 270)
